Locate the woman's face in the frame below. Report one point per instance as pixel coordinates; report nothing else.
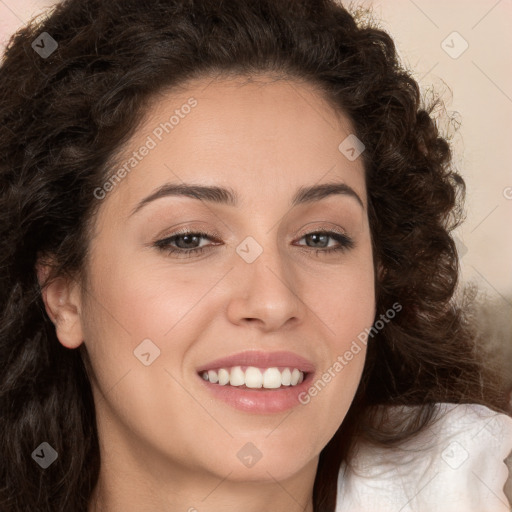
(264, 292)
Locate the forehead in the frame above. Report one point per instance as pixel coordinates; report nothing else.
(261, 106)
(264, 137)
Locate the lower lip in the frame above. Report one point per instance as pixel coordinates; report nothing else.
(261, 401)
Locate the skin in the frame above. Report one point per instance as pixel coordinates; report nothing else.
(166, 443)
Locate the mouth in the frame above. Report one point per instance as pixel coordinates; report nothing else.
(258, 382)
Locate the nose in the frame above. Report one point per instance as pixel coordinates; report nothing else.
(265, 292)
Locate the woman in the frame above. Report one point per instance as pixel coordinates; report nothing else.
(226, 264)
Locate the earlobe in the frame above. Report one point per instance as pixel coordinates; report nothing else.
(61, 298)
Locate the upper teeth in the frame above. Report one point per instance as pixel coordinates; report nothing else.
(252, 377)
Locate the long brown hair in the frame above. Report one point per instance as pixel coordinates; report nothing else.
(65, 113)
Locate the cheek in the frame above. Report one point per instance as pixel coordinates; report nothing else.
(130, 302)
(133, 300)
(345, 298)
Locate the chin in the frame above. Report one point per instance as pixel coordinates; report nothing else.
(262, 461)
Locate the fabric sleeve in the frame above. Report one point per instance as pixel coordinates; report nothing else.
(508, 485)
(456, 464)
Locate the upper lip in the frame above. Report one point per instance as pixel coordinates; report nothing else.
(262, 360)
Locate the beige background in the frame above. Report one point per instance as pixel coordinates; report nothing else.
(477, 85)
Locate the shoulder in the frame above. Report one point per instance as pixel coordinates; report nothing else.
(458, 463)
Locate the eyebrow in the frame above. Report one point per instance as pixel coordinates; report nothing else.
(227, 196)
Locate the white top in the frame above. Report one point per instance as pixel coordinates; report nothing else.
(455, 465)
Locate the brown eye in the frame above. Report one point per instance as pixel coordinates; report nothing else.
(185, 243)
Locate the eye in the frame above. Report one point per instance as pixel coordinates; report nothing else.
(322, 238)
(187, 240)
(186, 243)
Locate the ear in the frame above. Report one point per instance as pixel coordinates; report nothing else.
(61, 297)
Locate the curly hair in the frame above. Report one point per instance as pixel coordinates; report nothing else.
(63, 119)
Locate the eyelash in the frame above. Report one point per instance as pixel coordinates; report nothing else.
(345, 242)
